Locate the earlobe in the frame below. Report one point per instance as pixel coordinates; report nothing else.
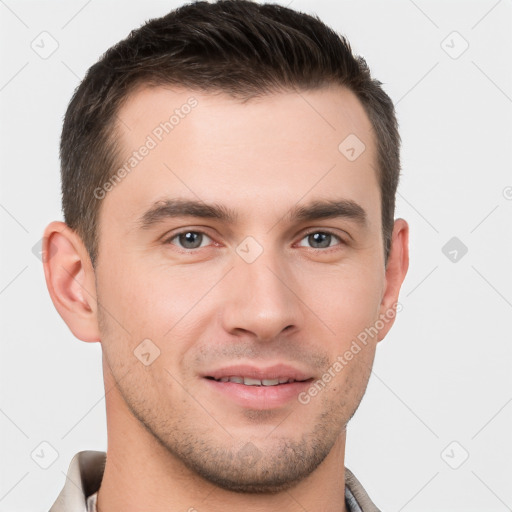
(396, 270)
(70, 280)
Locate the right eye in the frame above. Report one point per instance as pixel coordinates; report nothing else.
(188, 239)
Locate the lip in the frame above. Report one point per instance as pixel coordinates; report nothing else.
(258, 397)
(271, 372)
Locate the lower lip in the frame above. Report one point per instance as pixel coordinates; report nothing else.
(259, 397)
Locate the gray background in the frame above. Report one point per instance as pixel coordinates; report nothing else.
(441, 387)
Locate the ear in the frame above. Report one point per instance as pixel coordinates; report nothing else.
(396, 269)
(70, 280)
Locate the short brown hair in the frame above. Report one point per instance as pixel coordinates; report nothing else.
(239, 47)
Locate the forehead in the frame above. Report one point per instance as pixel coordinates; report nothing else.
(268, 153)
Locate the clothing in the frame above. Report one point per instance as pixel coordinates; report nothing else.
(86, 472)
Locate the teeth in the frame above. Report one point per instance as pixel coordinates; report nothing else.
(270, 382)
(248, 381)
(252, 382)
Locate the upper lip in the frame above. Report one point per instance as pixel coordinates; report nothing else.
(278, 371)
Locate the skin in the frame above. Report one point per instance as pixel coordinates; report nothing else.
(174, 441)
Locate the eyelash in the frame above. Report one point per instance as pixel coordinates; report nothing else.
(326, 232)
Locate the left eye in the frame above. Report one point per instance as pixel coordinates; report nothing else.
(322, 239)
(189, 239)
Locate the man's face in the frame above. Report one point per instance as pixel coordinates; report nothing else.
(265, 296)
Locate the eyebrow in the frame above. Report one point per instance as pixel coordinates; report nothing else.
(319, 209)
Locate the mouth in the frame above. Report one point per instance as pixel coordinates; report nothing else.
(258, 388)
(249, 381)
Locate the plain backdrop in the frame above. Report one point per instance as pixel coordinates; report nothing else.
(433, 432)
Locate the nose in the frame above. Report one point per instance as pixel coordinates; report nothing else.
(261, 298)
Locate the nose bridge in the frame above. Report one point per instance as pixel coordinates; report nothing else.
(261, 298)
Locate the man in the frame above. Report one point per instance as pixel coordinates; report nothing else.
(229, 175)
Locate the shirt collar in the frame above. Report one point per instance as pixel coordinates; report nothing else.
(83, 479)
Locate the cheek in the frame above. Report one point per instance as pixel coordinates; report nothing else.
(336, 395)
(348, 302)
(352, 316)
(142, 298)
(166, 306)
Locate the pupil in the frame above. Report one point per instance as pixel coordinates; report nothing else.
(188, 238)
(316, 237)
